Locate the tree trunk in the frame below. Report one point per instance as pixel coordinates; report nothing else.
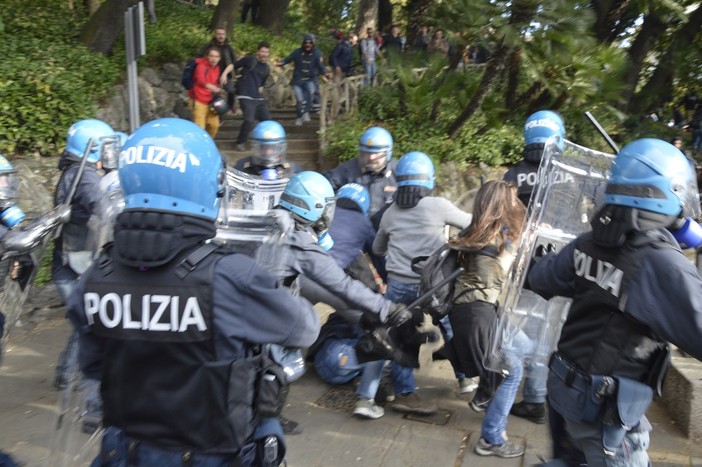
(91, 6)
(513, 73)
(103, 28)
(492, 68)
(418, 10)
(384, 15)
(271, 14)
(651, 30)
(612, 17)
(367, 17)
(225, 16)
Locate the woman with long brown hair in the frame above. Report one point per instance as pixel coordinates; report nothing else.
(487, 250)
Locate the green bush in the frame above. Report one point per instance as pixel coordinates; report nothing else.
(47, 81)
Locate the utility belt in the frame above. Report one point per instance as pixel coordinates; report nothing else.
(120, 450)
(618, 403)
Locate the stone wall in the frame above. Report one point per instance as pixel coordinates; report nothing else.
(161, 95)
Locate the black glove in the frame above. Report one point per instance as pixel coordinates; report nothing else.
(543, 250)
(369, 321)
(398, 315)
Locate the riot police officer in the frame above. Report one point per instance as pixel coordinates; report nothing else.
(79, 187)
(167, 317)
(539, 127)
(633, 292)
(269, 159)
(374, 169)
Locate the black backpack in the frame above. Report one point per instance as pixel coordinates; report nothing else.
(188, 78)
(433, 269)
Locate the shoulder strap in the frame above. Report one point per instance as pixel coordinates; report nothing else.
(189, 264)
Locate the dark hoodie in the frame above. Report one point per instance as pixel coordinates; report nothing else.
(308, 65)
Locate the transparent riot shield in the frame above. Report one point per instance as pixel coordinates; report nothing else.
(78, 428)
(75, 438)
(111, 203)
(571, 183)
(34, 200)
(252, 192)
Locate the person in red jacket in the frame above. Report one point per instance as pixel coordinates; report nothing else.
(206, 80)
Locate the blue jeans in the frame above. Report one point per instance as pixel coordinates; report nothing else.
(534, 389)
(336, 363)
(304, 90)
(495, 421)
(371, 69)
(406, 293)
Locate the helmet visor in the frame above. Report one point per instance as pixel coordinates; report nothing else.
(269, 154)
(9, 186)
(328, 214)
(110, 155)
(373, 160)
(686, 191)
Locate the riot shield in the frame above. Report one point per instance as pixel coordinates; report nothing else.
(111, 203)
(251, 192)
(75, 439)
(570, 188)
(247, 220)
(34, 200)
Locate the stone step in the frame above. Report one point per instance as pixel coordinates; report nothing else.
(293, 144)
(303, 140)
(307, 163)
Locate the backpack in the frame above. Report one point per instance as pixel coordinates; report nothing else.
(433, 269)
(188, 78)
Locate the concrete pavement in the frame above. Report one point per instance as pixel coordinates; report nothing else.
(331, 436)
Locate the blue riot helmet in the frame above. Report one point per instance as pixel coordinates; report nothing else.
(10, 214)
(375, 149)
(110, 153)
(415, 169)
(310, 197)
(82, 132)
(652, 175)
(354, 196)
(539, 127)
(172, 165)
(269, 144)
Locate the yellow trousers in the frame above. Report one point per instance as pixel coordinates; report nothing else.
(204, 117)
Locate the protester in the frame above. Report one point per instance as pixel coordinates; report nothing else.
(226, 63)
(205, 88)
(254, 73)
(308, 68)
(487, 249)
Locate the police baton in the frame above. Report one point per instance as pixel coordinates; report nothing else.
(427, 296)
(76, 180)
(602, 131)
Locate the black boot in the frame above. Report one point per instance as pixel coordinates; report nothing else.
(534, 412)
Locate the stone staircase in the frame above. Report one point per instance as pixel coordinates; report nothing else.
(303, 141)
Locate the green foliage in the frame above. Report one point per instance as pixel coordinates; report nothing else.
(47, 81)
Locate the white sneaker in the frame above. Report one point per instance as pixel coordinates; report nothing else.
(367, 408)
(467, 385)
(298, 122)
(305, 117)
